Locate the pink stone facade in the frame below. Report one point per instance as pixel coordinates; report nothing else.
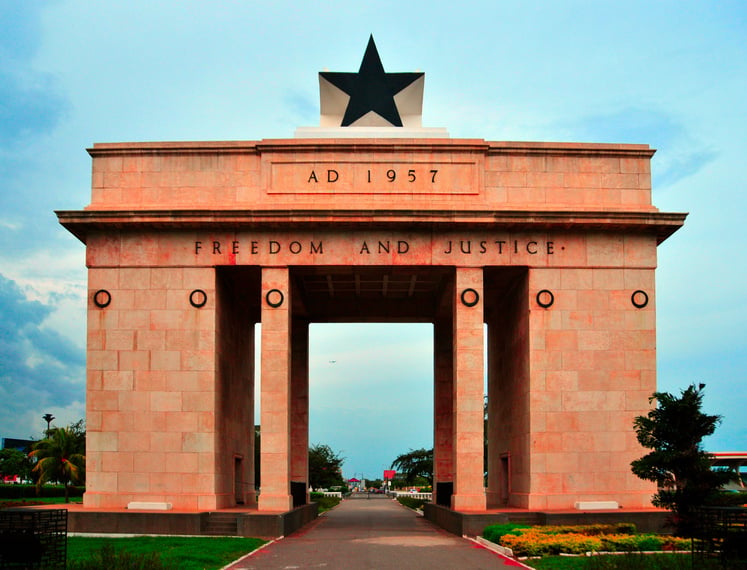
(542, 253)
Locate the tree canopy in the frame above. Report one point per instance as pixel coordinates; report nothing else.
(674, 431)
(415, 463)
(325, 467)
(14, 462)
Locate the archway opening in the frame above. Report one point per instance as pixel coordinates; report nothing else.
(371, 392)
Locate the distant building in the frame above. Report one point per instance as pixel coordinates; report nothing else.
(19, 444)
(735, 461)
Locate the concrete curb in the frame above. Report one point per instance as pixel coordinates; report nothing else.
(505, 553)
(250, 554)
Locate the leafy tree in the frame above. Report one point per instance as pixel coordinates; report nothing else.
(14, 462)
(415, 463)
(59, 459)
(325, 467)
(374, 483)
(78, 432)
(674, 430)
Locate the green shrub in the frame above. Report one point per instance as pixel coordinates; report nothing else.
(533, 542)
(111, 559)
(495, 532)
(632, 542)
(548, 540)
(325, 503)
(412, 503)
(729, 499)
(592, 529)
(625, 528)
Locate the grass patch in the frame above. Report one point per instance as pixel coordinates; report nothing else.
(184, 553)
(632, 561)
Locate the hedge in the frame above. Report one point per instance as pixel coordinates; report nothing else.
(11, 491)
(412, 502)
(325, 503)
(549, 540)
(495, 532)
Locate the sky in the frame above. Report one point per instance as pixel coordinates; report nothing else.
(672, 74)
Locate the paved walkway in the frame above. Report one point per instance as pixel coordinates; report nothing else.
(377, 533)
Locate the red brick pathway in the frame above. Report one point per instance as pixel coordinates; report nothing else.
(377, 533)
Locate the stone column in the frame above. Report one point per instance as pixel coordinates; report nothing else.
(443, 405)
(275, 392)
(300, 403)
(469, 491)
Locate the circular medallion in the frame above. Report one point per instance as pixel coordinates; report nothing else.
(198, 298)
(639, 299)
(102, 298)
(274, 298)
(470, 297)
(545, 298)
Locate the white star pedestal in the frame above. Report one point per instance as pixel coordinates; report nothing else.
(381, 101)
(371, 132)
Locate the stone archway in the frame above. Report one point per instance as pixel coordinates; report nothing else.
(189, 244)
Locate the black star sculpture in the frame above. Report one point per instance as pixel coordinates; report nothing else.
(371, 89)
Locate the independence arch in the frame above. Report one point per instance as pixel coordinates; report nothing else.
(553, 246)
(370, 217)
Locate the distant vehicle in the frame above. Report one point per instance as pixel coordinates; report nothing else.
(13, 480)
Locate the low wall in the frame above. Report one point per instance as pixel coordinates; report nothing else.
(460, 523)
(252, 524)
(276, 525)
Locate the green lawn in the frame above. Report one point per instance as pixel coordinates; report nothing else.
(184, 553)
(623, 562)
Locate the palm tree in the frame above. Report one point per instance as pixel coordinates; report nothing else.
(59, 459)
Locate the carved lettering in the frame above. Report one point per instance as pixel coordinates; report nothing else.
(468, 247)
(332, 175)
(312, 176)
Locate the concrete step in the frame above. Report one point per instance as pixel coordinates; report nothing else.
(220, 524)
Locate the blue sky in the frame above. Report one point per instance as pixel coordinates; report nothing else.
(672, 74)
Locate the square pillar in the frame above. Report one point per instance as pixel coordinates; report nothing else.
(300, 404)
(275, 393)
(469, 490)
(443, 410)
